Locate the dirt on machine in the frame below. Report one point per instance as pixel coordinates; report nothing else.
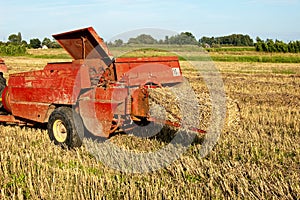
(95, 93)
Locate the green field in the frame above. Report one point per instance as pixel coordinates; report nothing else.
(256, 157)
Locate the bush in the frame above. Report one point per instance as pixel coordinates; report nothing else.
(13, 50)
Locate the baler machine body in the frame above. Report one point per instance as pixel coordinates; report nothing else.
(105, 92)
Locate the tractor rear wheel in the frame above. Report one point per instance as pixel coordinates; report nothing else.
(65, 127)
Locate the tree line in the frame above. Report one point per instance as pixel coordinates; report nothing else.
(17, 46)
(34, 43)
(230, 40)
(278, 46)
(184, 38)
(187, 38)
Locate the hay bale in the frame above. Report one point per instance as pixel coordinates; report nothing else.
(180, 107)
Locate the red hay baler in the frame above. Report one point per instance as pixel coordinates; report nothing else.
(94, 92)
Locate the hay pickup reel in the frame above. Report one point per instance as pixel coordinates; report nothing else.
(95, 92)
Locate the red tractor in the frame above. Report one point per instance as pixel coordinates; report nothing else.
(94, 92)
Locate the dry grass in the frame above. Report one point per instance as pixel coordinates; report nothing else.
(47, 51)
(21, 64)
(256, 157)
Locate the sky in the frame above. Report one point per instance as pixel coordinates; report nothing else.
(274, 19)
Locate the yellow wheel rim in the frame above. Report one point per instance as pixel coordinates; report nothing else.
(60, 131)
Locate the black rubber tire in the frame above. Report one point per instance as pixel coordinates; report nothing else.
(2, 86)
(71, 122)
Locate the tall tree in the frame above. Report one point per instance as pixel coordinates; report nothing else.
(35, 43)
(259, 46)
(183, 38)
(15, 38)
(258, 39)
(47, 42)
(118, 42)
(19, 37)
(271, 45)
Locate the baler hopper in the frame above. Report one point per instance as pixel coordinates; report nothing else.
(94, 93)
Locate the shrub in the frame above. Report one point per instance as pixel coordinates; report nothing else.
(12, 50)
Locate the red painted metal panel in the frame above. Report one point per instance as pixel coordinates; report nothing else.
(32, 111)
(140, 103)
(111, 94)
(84, 44)
(31, 93)
(97, 117)
(46, 86)
(139, 71)
(97, 108)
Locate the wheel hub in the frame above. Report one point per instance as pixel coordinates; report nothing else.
(60, 131)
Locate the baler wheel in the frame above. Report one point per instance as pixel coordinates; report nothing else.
(2, 86)
(65, 127)
(59, 131)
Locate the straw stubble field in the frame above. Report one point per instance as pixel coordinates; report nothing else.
(256, 157)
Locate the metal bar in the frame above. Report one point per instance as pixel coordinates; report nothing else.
(176, 124)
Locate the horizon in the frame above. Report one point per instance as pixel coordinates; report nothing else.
(125, 37)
